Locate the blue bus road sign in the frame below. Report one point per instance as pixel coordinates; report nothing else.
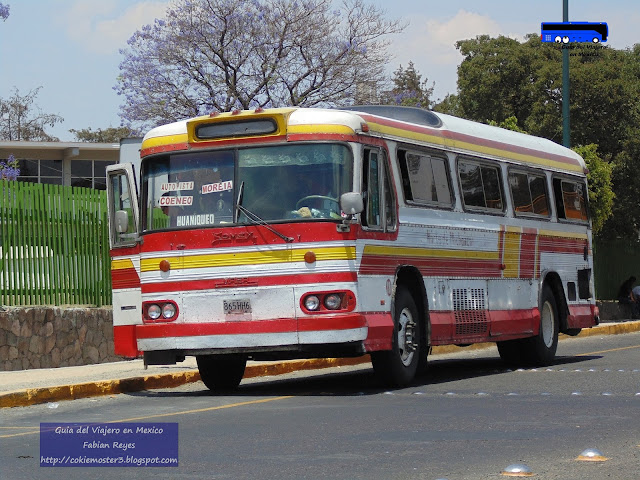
(566, 32)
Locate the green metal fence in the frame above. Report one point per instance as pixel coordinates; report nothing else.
(613, 262)
(54, 247)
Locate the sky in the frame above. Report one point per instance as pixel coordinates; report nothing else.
(70, 48)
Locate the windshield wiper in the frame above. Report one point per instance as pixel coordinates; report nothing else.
(255, 219)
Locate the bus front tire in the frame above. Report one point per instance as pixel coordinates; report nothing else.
(221, 372)
(398, 367)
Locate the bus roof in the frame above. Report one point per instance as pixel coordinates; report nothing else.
(403, 124)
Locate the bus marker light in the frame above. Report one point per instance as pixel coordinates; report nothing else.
(364, 127)
(591, 455)
(517, 470)
(165, 266)
(310, 257)
(236, 112)
(214, 114)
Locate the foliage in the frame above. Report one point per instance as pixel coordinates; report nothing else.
(18, 122)
(4, 11)
(223, 54)
(107, 135)
(409, 89)
(9, 170)
(449, 105)
(625, 221)
(501, 78)
(510, 123)
(601, 194)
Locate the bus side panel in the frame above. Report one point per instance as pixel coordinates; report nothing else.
(127, 304)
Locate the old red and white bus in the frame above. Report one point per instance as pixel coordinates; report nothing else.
(300, 233)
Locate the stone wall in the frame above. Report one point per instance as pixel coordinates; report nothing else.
(45, 337)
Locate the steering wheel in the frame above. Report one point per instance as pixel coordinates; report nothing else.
(317, 197)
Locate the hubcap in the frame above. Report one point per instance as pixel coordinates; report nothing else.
(546, 324)
(407, 341)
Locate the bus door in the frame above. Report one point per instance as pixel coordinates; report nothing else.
(124, 243)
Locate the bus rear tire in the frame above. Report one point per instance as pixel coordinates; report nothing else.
(541, 349)
(221, 372)
(398, 367)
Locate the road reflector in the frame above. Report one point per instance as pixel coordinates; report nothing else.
(517, 470)
(591, 455)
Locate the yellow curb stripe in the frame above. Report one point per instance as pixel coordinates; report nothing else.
(35, 396)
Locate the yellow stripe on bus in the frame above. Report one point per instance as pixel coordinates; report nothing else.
(429, 252)
(460, 145)
(250, 258)
(164, 140)
(311, 129)
(511, 257)
(121, 263)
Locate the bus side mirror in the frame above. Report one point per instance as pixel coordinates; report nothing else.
(122, 221)
(351, 203)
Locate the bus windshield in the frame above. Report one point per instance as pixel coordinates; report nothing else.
(281, 183)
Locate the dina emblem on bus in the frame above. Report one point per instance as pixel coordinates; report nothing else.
(574, 32)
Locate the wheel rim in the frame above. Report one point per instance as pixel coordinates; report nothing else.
(546, 324)
(407, 343)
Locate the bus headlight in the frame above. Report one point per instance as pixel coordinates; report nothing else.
(312, 303)
(332, 301)
(153, 312)
(168, 310)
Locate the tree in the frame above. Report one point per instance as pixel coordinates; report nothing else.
(601, 194)
(18, 122)
(223, 54)
(409, 89)
(108, 135)
(9, 170)
(501, 78)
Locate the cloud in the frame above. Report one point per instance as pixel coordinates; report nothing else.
(101, 27)
(430, 45)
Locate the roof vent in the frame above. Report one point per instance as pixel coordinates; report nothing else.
(416, 115)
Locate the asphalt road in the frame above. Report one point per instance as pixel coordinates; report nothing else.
(469, 418)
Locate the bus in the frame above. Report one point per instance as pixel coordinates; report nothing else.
(289, 233)
(565, 32)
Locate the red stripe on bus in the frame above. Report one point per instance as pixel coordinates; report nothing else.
(246, 236)
(283, 325)
(447, 267)
(240, 282)
(124, 341)
(528, 241)
(124, 278)
(581, 316)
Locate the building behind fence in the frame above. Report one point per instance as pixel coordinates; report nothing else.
(54, 247)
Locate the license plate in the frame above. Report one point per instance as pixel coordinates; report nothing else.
(240, 305)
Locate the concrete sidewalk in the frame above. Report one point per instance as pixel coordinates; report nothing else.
(30, 387)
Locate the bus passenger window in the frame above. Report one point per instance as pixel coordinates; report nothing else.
(372, 189)
(428, 181)
(571, 200)
(529, 193)
(480, 185)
